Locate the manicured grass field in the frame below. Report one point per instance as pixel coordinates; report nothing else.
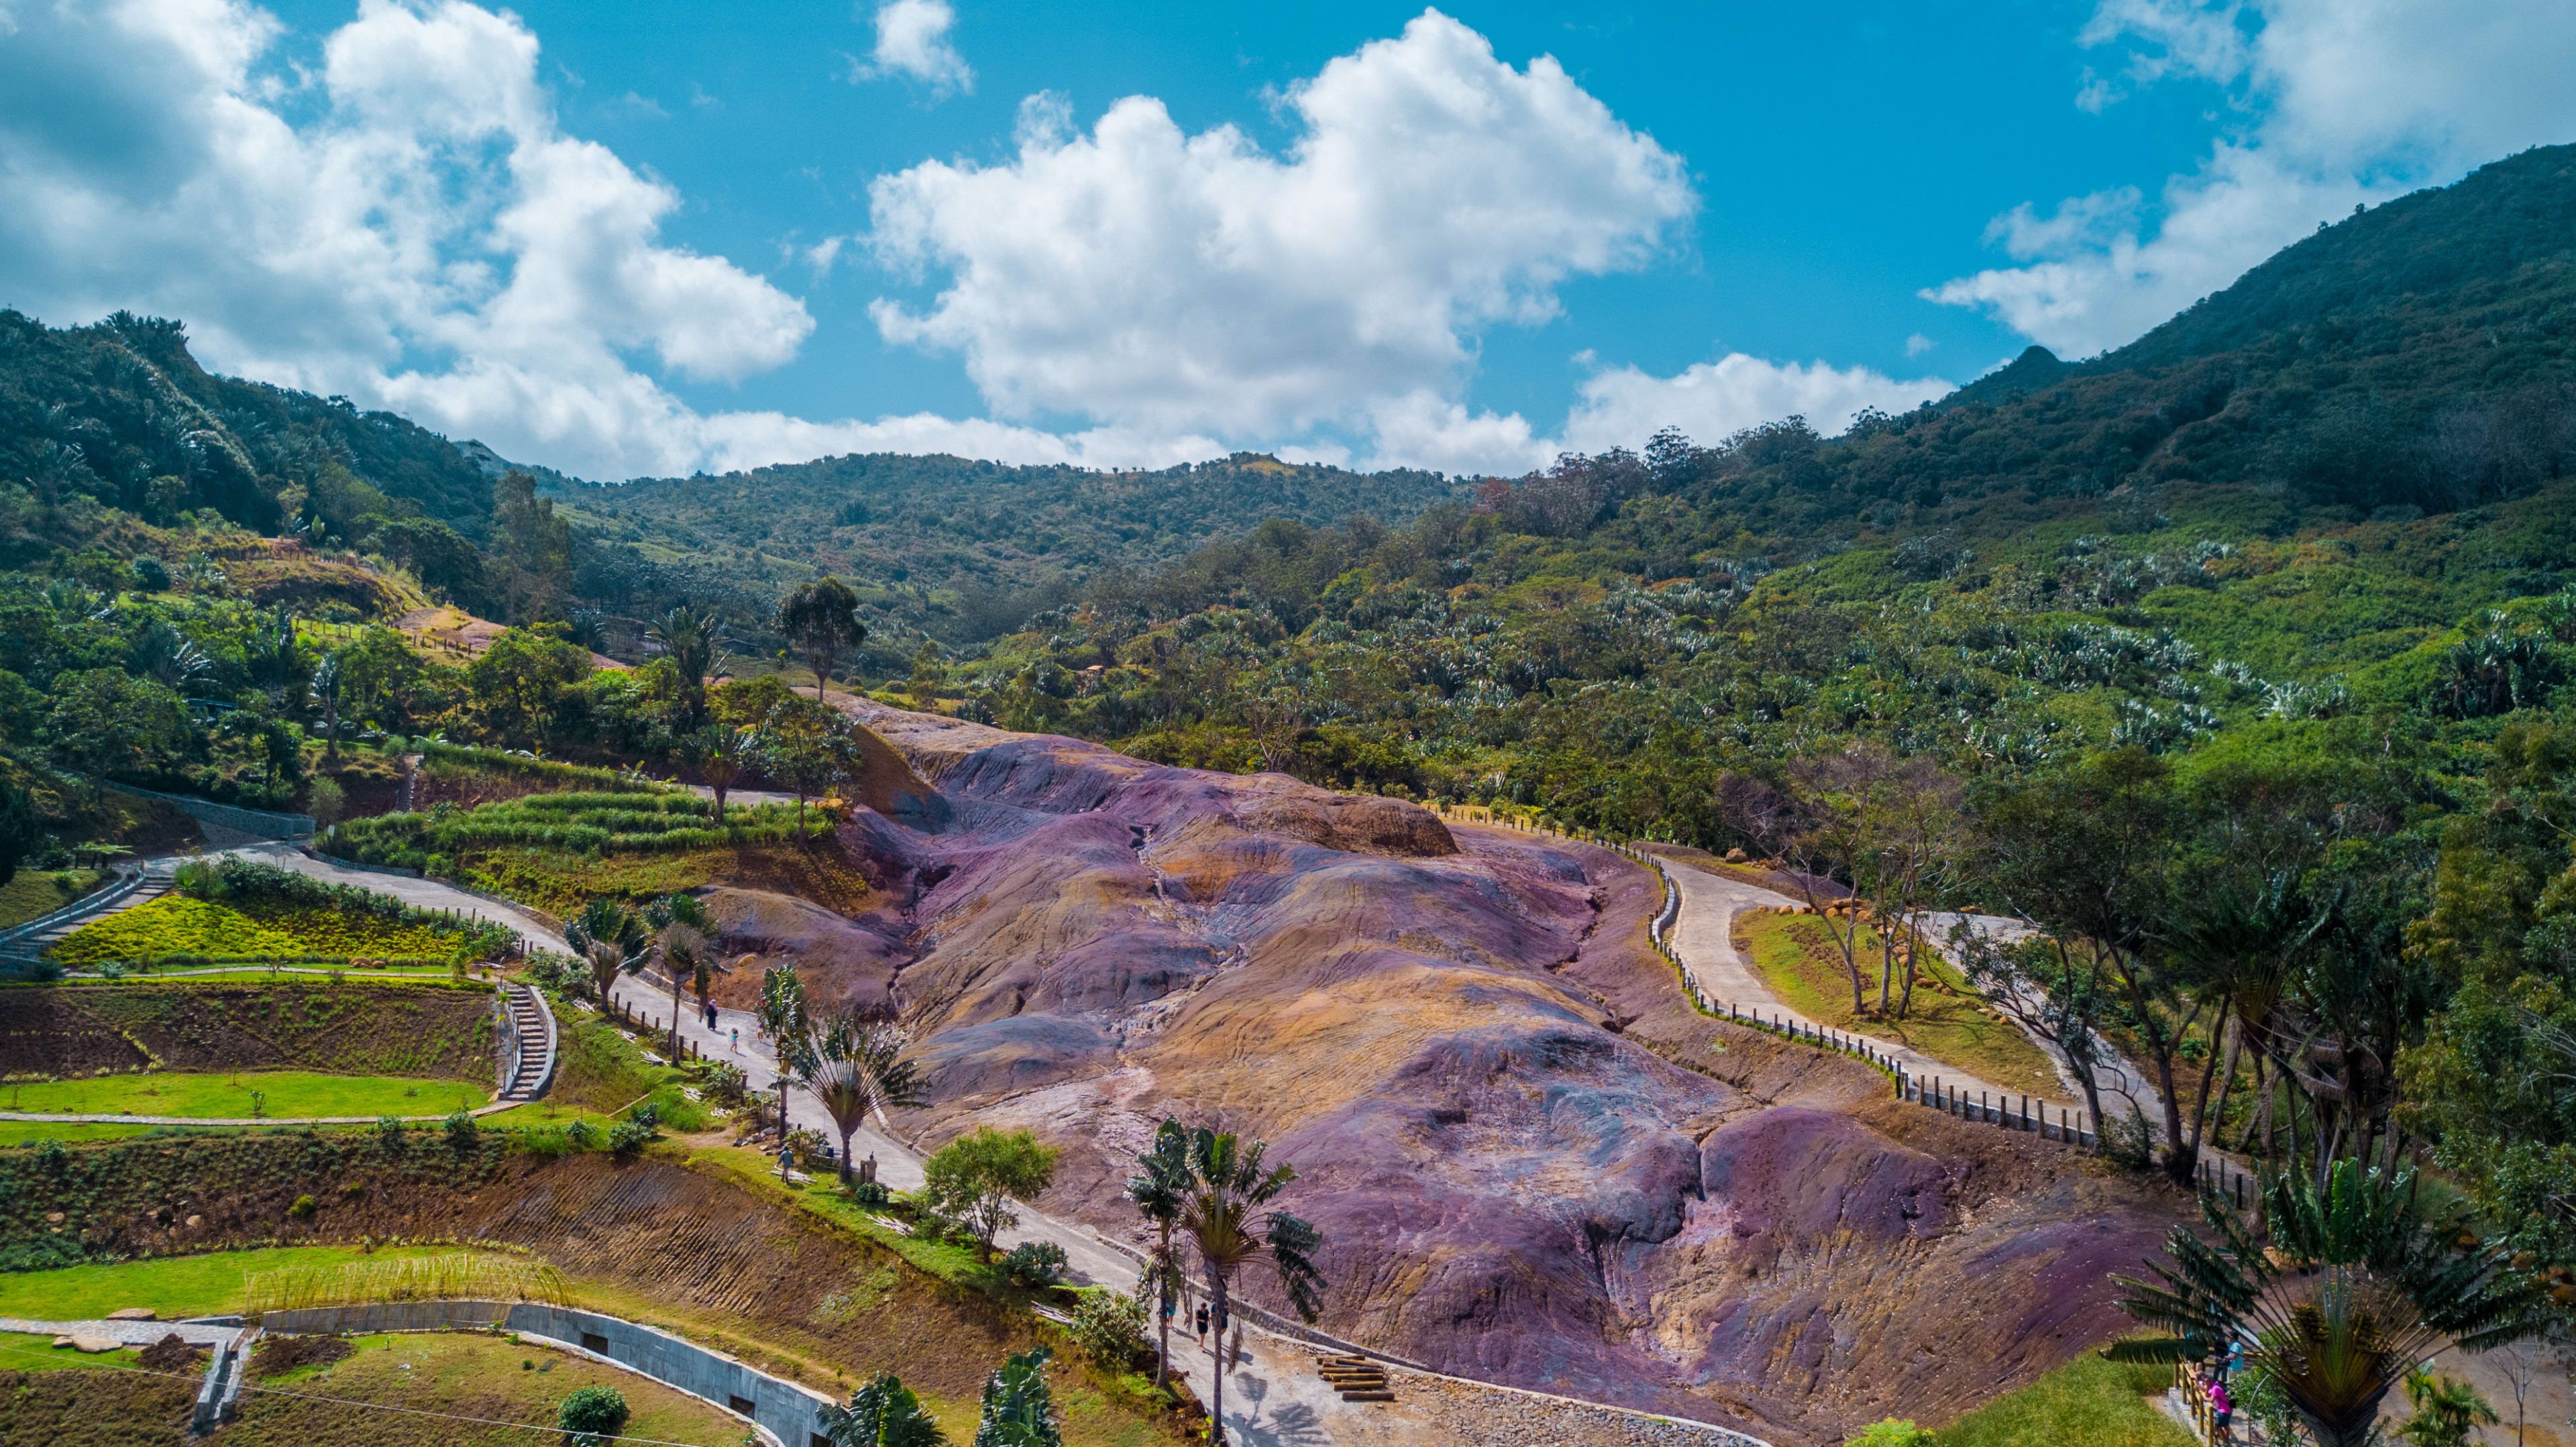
(1798, 959)
(174, 1286)
(286, 1093)
(308, 974)
(2086, 1403)
(29, 1132)
(33, 893)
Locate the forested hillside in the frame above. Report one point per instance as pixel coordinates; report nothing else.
(993, 541)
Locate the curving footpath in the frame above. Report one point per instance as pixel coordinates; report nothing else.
(1704, 937)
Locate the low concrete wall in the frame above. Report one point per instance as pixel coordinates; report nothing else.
(784, 1412)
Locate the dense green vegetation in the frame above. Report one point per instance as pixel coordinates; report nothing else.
(965, 550)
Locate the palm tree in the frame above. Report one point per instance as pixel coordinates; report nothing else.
(694, 642)
(1157, 1191)
(1222, 1201)
(326, 692)
(822, 617)
(791, 1029)
(858, 1069)
(683, 945)
(612, 941)
(721, 757)
(884, 1413)
(2360, 1281)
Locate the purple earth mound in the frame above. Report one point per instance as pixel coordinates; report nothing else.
(1531, 1161)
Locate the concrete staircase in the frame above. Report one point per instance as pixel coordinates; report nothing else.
(1357, 1378)
(532, 1030)
(133, 885)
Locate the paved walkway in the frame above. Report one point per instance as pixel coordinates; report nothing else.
(132, 1333)
(423, 893)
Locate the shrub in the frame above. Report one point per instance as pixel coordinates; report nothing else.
(629, 1136)
(304, 1208)
(1112, 1328)
(1893, 1432)
(582, 1134)
(592, 1413)
(461, 1133)
(725, 1085)
(806, 1146)
(1034, 1263)
(871, 1194)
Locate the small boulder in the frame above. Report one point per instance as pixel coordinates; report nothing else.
(91, 1344)
(134, 1313)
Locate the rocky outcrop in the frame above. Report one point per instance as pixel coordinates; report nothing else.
(1531, 1162)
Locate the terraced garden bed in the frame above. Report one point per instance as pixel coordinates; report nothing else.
(577, 822)
(244, 910)
(351, 1026)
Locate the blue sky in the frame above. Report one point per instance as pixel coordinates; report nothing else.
(657, 237)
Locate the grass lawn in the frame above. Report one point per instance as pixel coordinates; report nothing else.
(174, 1286)
(35, 893)
(287, 1093)
(469, 1375)
(1797, 958)
(29, 1132)
(308, 974)
(2086, 1403)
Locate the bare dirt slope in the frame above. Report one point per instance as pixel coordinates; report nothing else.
(1530, 1161)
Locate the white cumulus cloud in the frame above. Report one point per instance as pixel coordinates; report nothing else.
(912, 40)
(2330, 104)
(429, 240)
(1623, 406)
(1146, 277)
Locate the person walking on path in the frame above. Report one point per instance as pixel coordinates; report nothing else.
(737, 1040)
(711, 1014)
(1203, 1323)
(2221, 1408)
